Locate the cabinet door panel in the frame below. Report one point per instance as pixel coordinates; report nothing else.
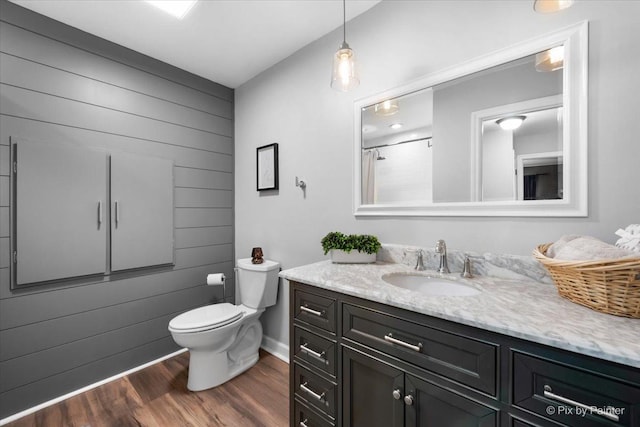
(142, 211)
(435, 406)
(59, 194)
(368, 386)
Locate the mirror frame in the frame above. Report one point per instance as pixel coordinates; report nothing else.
(575, 127)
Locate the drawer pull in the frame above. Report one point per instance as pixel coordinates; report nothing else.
(307, 350)
(312, 393)
(389, 337)
(548, 393)
(311, 311)
(304, 423)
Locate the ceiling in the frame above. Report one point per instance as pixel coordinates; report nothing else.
(226, 41)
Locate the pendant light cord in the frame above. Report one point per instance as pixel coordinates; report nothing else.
(344, 21)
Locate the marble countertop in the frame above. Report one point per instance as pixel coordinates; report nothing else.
(521, 307)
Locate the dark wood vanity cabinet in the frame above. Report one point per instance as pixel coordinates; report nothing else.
(357, 363)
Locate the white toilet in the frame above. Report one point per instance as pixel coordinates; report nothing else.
(223, 339)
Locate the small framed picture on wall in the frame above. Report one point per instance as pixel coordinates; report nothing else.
(267, 167)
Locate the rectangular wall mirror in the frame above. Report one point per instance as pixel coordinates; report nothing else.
(502, 135)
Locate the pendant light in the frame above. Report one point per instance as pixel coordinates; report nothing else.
(345, 74)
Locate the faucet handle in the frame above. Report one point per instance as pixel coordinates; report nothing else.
(466, 270)
(419, 260)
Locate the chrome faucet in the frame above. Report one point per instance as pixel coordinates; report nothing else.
(441, 249)
(419, 260)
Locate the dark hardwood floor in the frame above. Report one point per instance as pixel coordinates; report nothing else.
(157, 396)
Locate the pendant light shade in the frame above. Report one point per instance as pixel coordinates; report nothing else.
(345, 72)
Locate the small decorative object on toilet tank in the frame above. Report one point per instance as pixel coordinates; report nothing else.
(256, 256)
(352, 248)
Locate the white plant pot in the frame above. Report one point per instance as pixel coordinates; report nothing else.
(354, 257)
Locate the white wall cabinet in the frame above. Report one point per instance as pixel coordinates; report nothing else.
(142, 211)
(80, 212)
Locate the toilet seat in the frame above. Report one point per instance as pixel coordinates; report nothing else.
(206, 318)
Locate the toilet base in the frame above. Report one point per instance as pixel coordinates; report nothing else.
(208, 369)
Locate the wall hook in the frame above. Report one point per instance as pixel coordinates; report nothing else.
(303, 186)
(301, 183)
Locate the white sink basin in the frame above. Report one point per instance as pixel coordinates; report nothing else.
(428, 285)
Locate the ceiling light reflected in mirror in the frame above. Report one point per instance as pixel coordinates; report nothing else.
(550, 60)
(511, 123)
(388, 107)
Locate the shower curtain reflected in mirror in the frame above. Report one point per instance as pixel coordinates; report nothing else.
(400, 172)
(368, 177)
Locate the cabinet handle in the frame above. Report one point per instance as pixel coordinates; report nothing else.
(396, 394)
(99, 213)
(307, 350)
(389, 337)
(548, 392)
(304, 423)
(311, 311)
(117, 209)
(313, 394)
(408, 400)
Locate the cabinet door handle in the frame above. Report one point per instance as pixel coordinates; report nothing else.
(99, 213)
(307, 350)
(117, 209)
(312, 393)
(396, 394)
(311, 311)
(408, 400)
(304, 423)
(548, 393)
(389, 337)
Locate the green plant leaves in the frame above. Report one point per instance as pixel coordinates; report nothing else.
(361, 242)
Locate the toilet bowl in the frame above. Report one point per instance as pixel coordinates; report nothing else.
(223, 339)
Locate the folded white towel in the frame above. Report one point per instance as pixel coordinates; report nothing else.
(629, 238)
(585, 248)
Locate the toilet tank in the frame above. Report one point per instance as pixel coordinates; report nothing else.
(257, 283)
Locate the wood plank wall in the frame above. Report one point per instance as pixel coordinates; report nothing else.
(61, 86)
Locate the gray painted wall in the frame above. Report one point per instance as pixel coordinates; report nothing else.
(61, 86)
(396, 42)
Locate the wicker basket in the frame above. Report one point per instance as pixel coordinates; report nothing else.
(609, 286)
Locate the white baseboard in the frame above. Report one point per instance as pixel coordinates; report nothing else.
(278, 349)
(87, 388)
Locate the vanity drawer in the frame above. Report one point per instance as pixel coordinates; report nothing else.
(315, 391)
(463, 359)
(315, 310)
(305, 417)
(567, 394)
(314, 350)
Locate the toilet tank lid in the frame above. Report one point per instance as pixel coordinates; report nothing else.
(267, 265)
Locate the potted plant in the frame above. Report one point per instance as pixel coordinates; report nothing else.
(352, 248)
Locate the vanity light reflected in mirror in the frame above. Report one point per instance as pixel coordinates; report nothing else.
(503, 135)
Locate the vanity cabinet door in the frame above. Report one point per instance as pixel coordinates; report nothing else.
(372, 392)
(430, 405)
